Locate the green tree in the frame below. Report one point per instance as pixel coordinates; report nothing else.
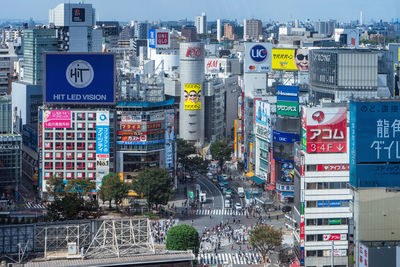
(112, 188)
(221, 151)
(196, 164)
(184, 148)
(155, 184)
(81, 187)
(183, 237)
(265, 238)
(56, 187)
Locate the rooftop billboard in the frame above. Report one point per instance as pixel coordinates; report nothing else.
(290, 59)
(257, 57)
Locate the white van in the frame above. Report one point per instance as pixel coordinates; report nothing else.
(240, 191)
(227, 203)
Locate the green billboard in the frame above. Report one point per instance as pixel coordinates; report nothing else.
(287, 108)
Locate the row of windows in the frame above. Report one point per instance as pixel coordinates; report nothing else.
(327, 185)
(318, 253)
(334, 221)
(69, 146)
(70, 175)
(285, 187)
(48, 165)
(70, 155)
(69, 136)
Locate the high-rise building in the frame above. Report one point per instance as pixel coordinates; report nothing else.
(321, 27)
(190, 33)
(5, 115)
(7, 59)
(201, 23)
(219, 30)
(252, 29)
(141, 30)
(37, 41)
(229, 32)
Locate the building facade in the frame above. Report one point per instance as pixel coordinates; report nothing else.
(190, 33)
(229, 32)
(252, 29)
(201, 23)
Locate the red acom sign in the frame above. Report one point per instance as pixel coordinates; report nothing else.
(325, 130)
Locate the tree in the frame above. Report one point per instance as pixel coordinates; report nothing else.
(265, 238)
(184, 148)
(80, 186)
(221, 151)
(112, 188)
(196, 164)
(183, 237)
(155, 184)
(56, 187)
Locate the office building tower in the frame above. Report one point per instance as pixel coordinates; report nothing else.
(219, 30)
(37, 41)
(5, 115)
(191, 107)
(201, 23)
(321, 27)
(7, 59)
(361, 18)
(252, 29)
(190, 33)
(141, 30)
(229, 32)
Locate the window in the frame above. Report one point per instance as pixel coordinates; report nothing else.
(80, 165)
(91, 146)
(59, 136)
(59, 174)
(80, 155)
(48, 165)
(319, 253)
(91, 126)
(91, 175)
(310, 237)
(69, 175)
(311, 186)
(311, 204)
(48, 136)
(48, 145)
(91, 155)
(59, 145)
(69, 165)
(47, 175)
(80, 136)
(70, 146)
(80, 175)
(311, 168)
(311, 253)
(70, 155)
(70, 136)
(59, 155)
(59, 165)
(310, 222)
(80, 146)
(91, 165)
(48, 155)
(91, 116)
(80, 126)
(80, 116)
(92, 136)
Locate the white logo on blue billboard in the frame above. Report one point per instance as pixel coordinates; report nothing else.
(79, 74)
(258, 53)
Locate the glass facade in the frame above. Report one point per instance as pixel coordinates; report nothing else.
(10, 164)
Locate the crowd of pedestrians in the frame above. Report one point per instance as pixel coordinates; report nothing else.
(160, 229)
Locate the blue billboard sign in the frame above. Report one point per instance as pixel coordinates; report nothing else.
(141, 142)
(152, 38)
(102, 139)
(374, 144)
(287, 93)
(285, 137)
(333, 203)
(258, 53)
(79, 78)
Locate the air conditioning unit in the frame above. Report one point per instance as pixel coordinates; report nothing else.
(72, 248)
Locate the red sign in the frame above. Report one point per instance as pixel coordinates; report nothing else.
(212, 64)
(302, 230)
(139, 132)
(194, 52)
(153, 126)
(325, 130)
(335, 237)
(134, 138)
(162, 38)
(333, 167)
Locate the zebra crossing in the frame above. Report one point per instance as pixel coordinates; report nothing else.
(31, 205)
(222, 212)
(229, 258)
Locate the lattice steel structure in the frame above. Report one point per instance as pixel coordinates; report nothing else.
(120, 238)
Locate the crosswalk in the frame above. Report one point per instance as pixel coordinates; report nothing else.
(229, 258)
(222, 212)
(31, 205)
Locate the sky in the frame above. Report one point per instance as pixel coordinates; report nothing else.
(277, 10)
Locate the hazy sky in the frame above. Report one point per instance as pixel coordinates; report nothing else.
(282, 10)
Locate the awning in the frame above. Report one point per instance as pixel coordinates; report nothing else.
(287, 194)
(271, 187)
(257, 180)
(295, 264)
(250, 174)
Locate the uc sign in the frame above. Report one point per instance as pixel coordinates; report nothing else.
(258, 53)
(193, 52)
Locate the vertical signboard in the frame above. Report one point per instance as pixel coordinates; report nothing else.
(169, 138)
(152, 38)
(257, 57)
(302, 239)
(325, 130)
(363, 253)
(192, 94)
(102, 146)
(375, 144)
(262, 112)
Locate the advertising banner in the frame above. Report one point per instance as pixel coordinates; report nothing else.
(131, 127)
(334, 237)
(212, 65)
(326, 130)
(130, 116)
(102, 146)
(262, 112)
(290, 59)
(80, 78)
(257, 57)
(287, 108)
(287, 93)
(375, 144)
(57, 118)
(302, 256)
(333, 167)
(134, 138)
(240, 103)
(363, 252)
(334, 221)
(336, 252)
(139, 132)
(332, 203)
(140, 142)
(159, 38)
(169, 138)
(285, 137)
(192, 96)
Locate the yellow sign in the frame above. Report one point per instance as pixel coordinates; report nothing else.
(192, 95)
(398, 54)
(290, 59)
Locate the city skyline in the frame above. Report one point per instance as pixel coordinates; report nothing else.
(168, 10)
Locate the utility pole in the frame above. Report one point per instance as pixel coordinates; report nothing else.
(332, 255)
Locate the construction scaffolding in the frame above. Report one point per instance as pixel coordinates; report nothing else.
(121, 238)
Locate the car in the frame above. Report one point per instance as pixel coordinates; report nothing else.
(227, 203)
(224, 190)
(209, 175)
(214, 180)
(238, 206)
(286, 209)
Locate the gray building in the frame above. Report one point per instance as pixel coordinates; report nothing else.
(191, 106)
(201, 23)
(10, 165)
(252, 29)
(5, 115)
(141, 29)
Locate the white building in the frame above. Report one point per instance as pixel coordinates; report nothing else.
(201, 23)
(252, 29)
